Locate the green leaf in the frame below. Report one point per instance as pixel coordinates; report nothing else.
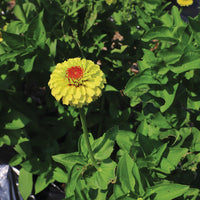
(43, 180)
(110, 88)
(16, 160)
(34, 164)
(125, 139)
(160, 33)
(28, 64)
(167, 191)
(14, 41)
(83, 150)
(192, 162)
(137, 176)
(125, 174)
(60, 175)
(192, 192)
(143, 78)
(25, 183)
(5, 140)
(165, 134)
(167, 19)
(154, 158)
(188, 61)
(101, 178)
(90, 18)
(18, 120)
(120, 51)
(36, 32)
(98, 194)
(158, 119)
(178, 21)
(74, 176)
(19, 13)
(148, 60)
(103, 146)
(172, 54)
(168, 93)
(196, 139)
(29, 8)
(174, 156)
(194, 25)
(69, 160)
(117, 192)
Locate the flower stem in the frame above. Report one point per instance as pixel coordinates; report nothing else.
(86, 136)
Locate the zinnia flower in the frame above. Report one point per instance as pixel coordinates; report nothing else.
(185, 2)
(77, 82)
(109, 2)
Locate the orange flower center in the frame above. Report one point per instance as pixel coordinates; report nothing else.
(74, 72)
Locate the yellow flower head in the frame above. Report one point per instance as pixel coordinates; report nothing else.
(4, 28)
(185, 2)
(77, 82)
(1, 38)
(109, 2)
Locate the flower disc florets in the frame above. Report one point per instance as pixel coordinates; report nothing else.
(77, 82)
(185, 2)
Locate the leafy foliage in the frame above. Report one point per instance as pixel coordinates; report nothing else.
(145, 129)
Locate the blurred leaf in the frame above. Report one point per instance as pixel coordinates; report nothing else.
(121, 50)
(43, 180)
(17, 121)
(28, 8)
(28, 64)
(60, 175)
(25, 183)
(16, 160)
(19, 13)
(178, 21)
(14, 41)
(192, 193)
(109, 88)
(5, 140)
(90, 18)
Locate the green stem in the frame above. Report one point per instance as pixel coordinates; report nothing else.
(75, 35)
(86, 135)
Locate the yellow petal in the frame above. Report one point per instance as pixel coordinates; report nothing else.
(65, 100)
(77, 93)
(98, 92)
(89, 91)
